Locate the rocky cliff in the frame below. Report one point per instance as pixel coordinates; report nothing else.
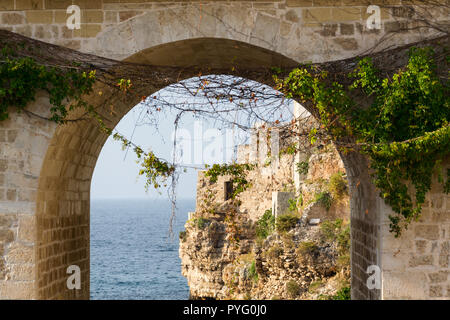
(237, 249)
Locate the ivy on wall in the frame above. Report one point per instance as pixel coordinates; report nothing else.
(404, 132)
(237, 172)
(21, 78)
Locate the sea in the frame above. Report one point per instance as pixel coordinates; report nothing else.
(133, 255)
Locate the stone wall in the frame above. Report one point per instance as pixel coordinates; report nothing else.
(216, 268)
(23, 142)
(45, 171)
(45, 176)
(422, 253)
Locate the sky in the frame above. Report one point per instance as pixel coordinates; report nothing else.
(116, 171)
(199, 142)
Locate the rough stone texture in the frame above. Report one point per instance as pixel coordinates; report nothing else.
(423, 250)
(216, 267)
(115, 28)
(45, 171)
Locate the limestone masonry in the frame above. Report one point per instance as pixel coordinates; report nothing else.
(46, 169)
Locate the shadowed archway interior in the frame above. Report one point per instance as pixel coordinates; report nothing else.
(63, 204)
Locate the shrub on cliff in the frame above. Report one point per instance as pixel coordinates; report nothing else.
(337, 186)
(274, 252)
(343, 294)
(292, 288)
(183, 236)
(286, 222)
(201, 222)
(252, 273)
(339, 232)
(307, 247)
(265, 225)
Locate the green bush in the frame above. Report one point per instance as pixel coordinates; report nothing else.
(183, 236)
(330, 229)
(314, 286)
(292, 288)
(253, 274)
(343, 294)
(265, 225)
(302, 167)
(308, 247)
(293, 205)
(337, 231)
(337, 186)
(286, 222)
(343, 239)
(274, 252)
(325, 199)
(201, 222)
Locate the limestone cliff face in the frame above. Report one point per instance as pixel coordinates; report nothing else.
(284, 266)
(224, 258)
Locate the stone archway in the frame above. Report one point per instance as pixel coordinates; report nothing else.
(45, 170)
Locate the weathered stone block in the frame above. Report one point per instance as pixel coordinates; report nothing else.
(317, 15)
(7, 5)
(347, 29)
(328, 30)
(12, 18)
(58, 4)
(347, 44)
(89, 4)
(346, 14)
(27, 228)
(91, 16)
(280, 202)
(292, 16)
(440, 276)
(17, 290)
(398, 285)
(299, 3)
(27, 31)
(429, 232)
(39, 17)
(29, 4)
(396, 26)
(11, 194)
(436, 291)
(423, 260)
(87, 31)
(6, 235)
(19, 253)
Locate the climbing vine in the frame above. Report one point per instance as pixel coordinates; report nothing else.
(21, 78)
(404, 132)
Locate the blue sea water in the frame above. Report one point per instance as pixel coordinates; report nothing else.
(132, 255)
